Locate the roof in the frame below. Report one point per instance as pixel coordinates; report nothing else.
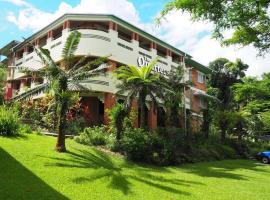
(5, 50)
(109, 17)
(198, 66)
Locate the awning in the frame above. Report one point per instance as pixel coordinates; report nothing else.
(5, 50)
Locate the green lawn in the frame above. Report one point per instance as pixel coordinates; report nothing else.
(30, 169)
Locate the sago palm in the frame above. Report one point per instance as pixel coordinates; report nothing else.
(140, 83)
(64, 78)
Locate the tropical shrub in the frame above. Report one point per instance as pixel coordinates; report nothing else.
(96, 135)
(25, 129)
(76, 125)
(117, 116)
(136, 144)
(9, 121)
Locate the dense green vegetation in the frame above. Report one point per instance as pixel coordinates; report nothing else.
(249, 19)
(63, 79)
(31, 169)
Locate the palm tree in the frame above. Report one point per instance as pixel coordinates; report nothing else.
(174, 97)
(140, 83)
(64, 79)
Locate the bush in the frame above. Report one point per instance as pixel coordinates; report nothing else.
(76, 126)
(25, 129)
(136, 144)
(93, 136)
(9, 121)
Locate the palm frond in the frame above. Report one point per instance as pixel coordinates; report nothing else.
(77, 65)
(98, 64)
(71, 45)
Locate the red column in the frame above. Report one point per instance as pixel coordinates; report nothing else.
(8, 91)
(109, 102)
(26, 49)
(111, 26)
(50, 34)
(37, 42)
(168, 53)
(152, 118)
(135, 36)
(66, 25)
(153, 45)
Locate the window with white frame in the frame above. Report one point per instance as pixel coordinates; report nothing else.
(201, 77)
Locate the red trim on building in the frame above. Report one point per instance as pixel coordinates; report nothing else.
(109, 102)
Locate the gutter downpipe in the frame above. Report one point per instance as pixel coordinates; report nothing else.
(184, 96)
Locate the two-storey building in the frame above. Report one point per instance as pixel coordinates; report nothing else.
(103, 35)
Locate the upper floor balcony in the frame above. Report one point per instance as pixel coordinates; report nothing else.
(98, 39)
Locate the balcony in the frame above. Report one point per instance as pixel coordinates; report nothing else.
(94, 42)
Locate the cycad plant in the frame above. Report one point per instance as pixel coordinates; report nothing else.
(64, 79)
(140, 84)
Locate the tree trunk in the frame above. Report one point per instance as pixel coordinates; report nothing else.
(62, 120)
(168, 117)
(142, 99)
(142, 117)
(60, 145)
(223, 135)
(206, 123)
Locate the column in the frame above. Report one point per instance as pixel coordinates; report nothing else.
(66, 27)
(152, 118)
(109, 102)
(25, 50)
(37, 43)
(23, 84)
(135, 40)
(49, 36)
(169, 55)
(153, 47)
(8, 91)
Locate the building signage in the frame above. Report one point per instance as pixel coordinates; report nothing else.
(144, 61)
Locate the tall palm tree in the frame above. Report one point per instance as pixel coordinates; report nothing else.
(140, 83)
(64, 78)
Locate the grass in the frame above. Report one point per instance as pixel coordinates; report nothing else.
(31, 169)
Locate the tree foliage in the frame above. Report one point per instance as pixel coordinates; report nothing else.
(65, 79)
(140, 84)
(223, 112)
(249, 19)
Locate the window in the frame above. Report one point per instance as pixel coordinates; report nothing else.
(203, 103)
(201, 77)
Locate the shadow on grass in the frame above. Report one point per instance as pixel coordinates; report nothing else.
(17, 182)
(224, 169)
(120, 174)
(16, 137)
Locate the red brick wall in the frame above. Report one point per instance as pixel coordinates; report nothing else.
(194, 78)
(109, 102)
